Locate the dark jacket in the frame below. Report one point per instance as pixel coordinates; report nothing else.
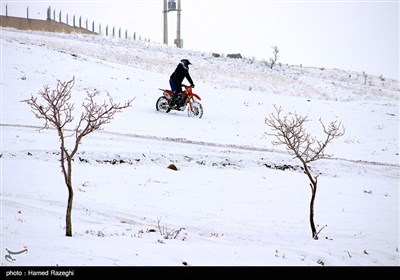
(180, 73)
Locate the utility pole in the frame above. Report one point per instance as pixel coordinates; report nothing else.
(178, 41)
(171, 7)
(165, 11)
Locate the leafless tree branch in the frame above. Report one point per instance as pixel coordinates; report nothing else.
(56, 109)
(289, 131)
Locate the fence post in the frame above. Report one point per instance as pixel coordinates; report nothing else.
(107, 30)
(87, 25)
(93, 26)
(67, 20)
(27, 12)
(119, 32)
(59, 17)
(54, 15)
(6, 10)
(73, 20)
(126, 34)
(80, 22)
(49, 13)
(134, 35)
(113, 31)
(99, 29)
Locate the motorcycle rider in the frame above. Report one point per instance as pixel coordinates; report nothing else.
(175, 81)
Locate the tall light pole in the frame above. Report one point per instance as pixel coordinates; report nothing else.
(171, 7)
(165, 11)
(178, 41)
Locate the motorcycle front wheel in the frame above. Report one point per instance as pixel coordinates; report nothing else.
(162, 104)
(197, 110)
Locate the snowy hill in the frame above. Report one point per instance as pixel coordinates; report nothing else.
(226, 204)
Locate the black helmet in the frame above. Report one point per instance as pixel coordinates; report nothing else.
(186, 63)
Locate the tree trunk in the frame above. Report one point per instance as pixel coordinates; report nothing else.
(69, 212)
(313, 192)
(313, 185)
(68, 220)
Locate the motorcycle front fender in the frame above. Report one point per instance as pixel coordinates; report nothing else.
(195, 95)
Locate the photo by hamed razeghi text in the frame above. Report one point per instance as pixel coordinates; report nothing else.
(42, 272)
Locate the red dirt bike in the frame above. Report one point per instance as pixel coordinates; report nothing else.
(194, 107)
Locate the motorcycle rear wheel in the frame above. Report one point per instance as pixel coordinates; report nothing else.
(197, 111)
(162, 104)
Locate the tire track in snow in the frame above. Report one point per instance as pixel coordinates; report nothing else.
(208, 144)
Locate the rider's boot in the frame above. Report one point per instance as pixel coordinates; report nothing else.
(171, 104)
(174, 101)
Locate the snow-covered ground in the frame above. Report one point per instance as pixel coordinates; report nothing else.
(228, 204)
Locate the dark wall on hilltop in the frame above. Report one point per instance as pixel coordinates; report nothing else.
(40, 25)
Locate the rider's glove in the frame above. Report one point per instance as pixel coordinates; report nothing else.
(192, 85)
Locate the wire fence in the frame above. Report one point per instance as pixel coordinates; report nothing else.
(82, 23)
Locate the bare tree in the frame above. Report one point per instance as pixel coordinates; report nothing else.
(56, 109)
(365, 77)
(272, 60)
(290, 132)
